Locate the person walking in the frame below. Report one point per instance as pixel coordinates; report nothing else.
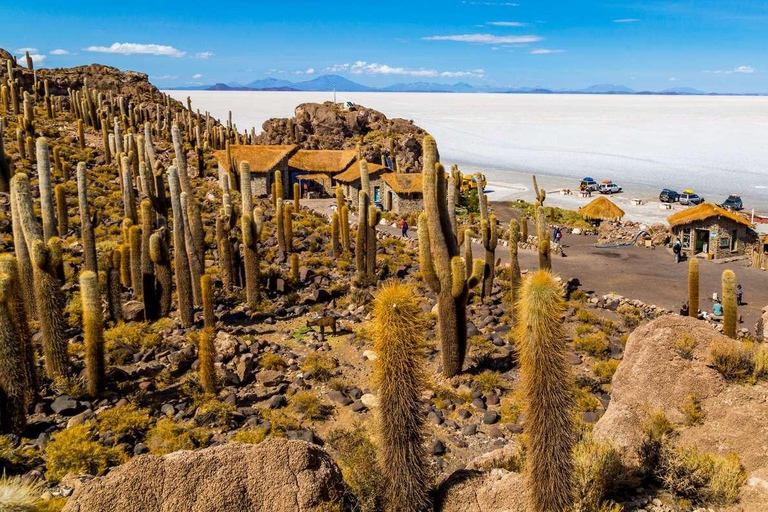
(739, 294)
(558, 235)
(677, 249)
(404, 227)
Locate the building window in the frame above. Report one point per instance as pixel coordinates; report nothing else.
(734, 239)
(724, 243)
(686, 238)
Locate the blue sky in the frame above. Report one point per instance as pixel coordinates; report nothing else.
(647, 45)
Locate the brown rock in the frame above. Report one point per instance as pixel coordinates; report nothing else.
(497, 490)
(276, 475)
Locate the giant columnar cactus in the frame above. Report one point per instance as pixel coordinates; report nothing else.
(335, 242)
(465, 237)
(86, 224)
(344, 221)
(125, 263)
(371, 242)
(13, 381)
(251, 236)
(134, 242)
(545, 257)
(400, 377)
(340, 201)
(693, 288)
(206, 352)
(105, 141)
(10, 267)
(547, 383)
(206, 286)
(514, 263)
(730, 306)
(29, 114)
(224, 248)
(129, 198)
(362, 235)
(294, 268)
(5, 164)
(49, 299)
(288, 227)
(62, 213)
(541, 195)
(149, 147)
(278, 185)
(454, 186)
(280, 225)
(158, 252)
(365, 181)
(22, 254)
(114, 287)
(80, 134)
(93, 332)
(180, 259)
(444, 270)
(296, 197)
(524, 229)
(196, 265)
(46, 189)
(181, 160)
(488, 228)
(148, 281)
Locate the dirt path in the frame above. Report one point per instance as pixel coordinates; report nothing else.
(650, 275)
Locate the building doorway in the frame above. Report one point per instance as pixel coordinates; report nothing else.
(702, 241)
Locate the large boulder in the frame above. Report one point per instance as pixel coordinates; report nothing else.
(276, 475)
(496, 490)
(653, 376)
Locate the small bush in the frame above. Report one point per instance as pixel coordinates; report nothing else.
(136, 334)
(126, 419)
(657, 431)
(76, 450)
(338, 384)
(167, 436)
(319, 367)
(272, 362)
(692, 410)
(604, 370)
(578, 295)
(250, 435)
(733, 359)
(685, 345)
(587, 317)
(598, 472)
(582, 329)
(307, 403)
(489, 381)
(356, 455)
(585, 400)
(215, 413)
(703, 478)
(280, 421)
(595, 344)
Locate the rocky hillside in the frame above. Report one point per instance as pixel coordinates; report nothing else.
(329, 126)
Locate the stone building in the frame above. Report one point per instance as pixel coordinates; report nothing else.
(713, 232)
(349, 181)
(315, 170)
(263, 161)
(402, 193)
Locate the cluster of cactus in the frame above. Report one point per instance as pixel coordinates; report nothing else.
(399, 376)
(489, 237)
(180, 257)
(5, 163)
(343, 212)
(547, 383)
(252, 222)
(514, 263)
(545, 256)
(366, 241)
(206, 348)
(444, 270)
(693, 288)
(12, 379)
(730, 305)
(93, 332)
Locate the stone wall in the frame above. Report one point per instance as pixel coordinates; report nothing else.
(722, 233)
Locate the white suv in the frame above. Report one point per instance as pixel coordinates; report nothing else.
(609, 188)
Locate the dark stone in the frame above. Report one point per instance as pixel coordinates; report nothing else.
(464, 414)
(514, 428)
(437, 447)
(359, 407)
(490, 417)
(478, 403)
(469, 430)
(434, 418)
(276, 402)
(339, 397)
(495, 432)
(492, 399)
(140, 449)
(355, 393)
(472, 330)
(66, 406)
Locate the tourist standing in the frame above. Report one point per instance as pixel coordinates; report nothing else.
(404, 227)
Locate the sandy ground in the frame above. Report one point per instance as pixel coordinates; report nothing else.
(649, 275)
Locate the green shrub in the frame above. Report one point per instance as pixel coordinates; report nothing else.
(685, 344)
(604, 370)
(307, 403)
(703, 478)
(585, 400)
(280, 421)
(76, 450)
(356, 455)
(692, 410)
(272, 362)
(250, 435)
(733, 359)
(319, 367)
(125, 419)
(595, 344)
(136, 334)
(489, 381)
(215, 413)
(598, 471)
(630, 315)
(657, 432)
(167, 436)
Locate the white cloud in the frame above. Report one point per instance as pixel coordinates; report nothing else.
(486, 39)
(197, 76)
(59, 51)
(373, 68)
(23, 50)
(507, 24)
(748, 70)
(136, 48)
(673, 79)
(626, 20)
(337, 68)
(204, 55)
(308, 71)
(36, 57)
(545, 51)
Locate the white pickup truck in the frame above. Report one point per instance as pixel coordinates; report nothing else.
(609, 188)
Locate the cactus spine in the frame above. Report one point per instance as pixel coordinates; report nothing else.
(13, 380)
(546, 381)
(399, 376)
(93, 331)
(693, 288)
(439, 251)
(180, 261)
(86, 226)
(730, 307)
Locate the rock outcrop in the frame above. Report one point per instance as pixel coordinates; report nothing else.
(654, 377)
(329, 126)
(276, 475)
(496, 490)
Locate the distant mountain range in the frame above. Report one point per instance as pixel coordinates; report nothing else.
(341, 84)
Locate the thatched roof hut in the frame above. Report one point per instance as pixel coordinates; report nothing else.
(705, 211)
(601, 208)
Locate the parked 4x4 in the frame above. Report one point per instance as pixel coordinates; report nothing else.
(588, 184)
(609, 188)
(733, 203)
(668, 196)
(691, 199)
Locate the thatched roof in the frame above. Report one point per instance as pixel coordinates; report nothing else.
(601, 208)
(322, 160)
(705, 211)
(261, 158)
(402, 183)
(318, 177)
(353, 172)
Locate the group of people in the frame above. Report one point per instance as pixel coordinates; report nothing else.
(717, 306)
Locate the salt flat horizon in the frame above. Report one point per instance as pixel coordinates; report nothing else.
(715, 145)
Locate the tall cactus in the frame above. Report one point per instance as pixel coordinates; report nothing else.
(335, 242)
(180, 260)
(547, 383)
(10, 267)
(294, 267)
(206, 347)
(288, 227)
(134, 243)
(693, 288)
(206, 285)
(5, 164)
(196, 264)
(22, 254)
(62, 212)
(362, 235)
(545, 256)
(114, 286)
(344, 224)
(730, 306)
(13, 380)
(46, 189)
(444, 270)
(86, 225)
(224, 248)
(279, 185)
(280, 225)
(158, 252)
(488, 228)
(514, 263)
(93, 332)
(371, 242)
(400, 377)
(251, 229)
(296, 197)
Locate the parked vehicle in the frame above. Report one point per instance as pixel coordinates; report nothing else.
(733, 203)
(669, 196)
(691, 199)
(588, 184)
(609, 188)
